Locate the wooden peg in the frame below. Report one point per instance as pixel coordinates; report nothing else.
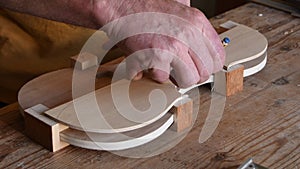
(42, 129)
(84, 61)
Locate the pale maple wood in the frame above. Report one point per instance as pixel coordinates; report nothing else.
(107, 114)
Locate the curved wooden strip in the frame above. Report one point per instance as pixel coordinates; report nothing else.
(117, 141)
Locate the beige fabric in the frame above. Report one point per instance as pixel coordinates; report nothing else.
(30, 46)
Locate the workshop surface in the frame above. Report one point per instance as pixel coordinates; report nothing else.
(262, 121)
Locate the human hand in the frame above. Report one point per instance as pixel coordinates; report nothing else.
(163, 37)
(185, 2)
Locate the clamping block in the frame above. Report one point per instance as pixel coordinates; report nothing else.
(42, 129)
(229, 82)
(183, 114)
(84, 61)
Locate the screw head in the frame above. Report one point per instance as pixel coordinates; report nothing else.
(226, 40)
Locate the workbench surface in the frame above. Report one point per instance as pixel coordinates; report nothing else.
(262, 122)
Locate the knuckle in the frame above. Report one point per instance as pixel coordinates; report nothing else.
(197, 14)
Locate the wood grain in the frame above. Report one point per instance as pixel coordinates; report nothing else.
(118, 107)
(261, 122)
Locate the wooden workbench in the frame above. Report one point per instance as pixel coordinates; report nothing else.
(262, 122)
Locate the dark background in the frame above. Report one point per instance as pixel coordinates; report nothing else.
(215, 7)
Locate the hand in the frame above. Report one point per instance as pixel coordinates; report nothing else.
(173, 38)
(185, 2)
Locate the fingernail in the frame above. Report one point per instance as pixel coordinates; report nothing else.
(138, 76)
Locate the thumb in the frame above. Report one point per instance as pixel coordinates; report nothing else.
(133, 69)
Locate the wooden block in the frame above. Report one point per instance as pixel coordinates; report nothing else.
(183, 111)
(84, 61)
(229, 82)
(235, 80)
(43, 130)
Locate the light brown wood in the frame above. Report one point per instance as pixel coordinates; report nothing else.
(183, 111)
(43, 130)
(118, 107)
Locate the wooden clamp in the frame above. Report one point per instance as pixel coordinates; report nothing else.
(183, 114)
(229, 82)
